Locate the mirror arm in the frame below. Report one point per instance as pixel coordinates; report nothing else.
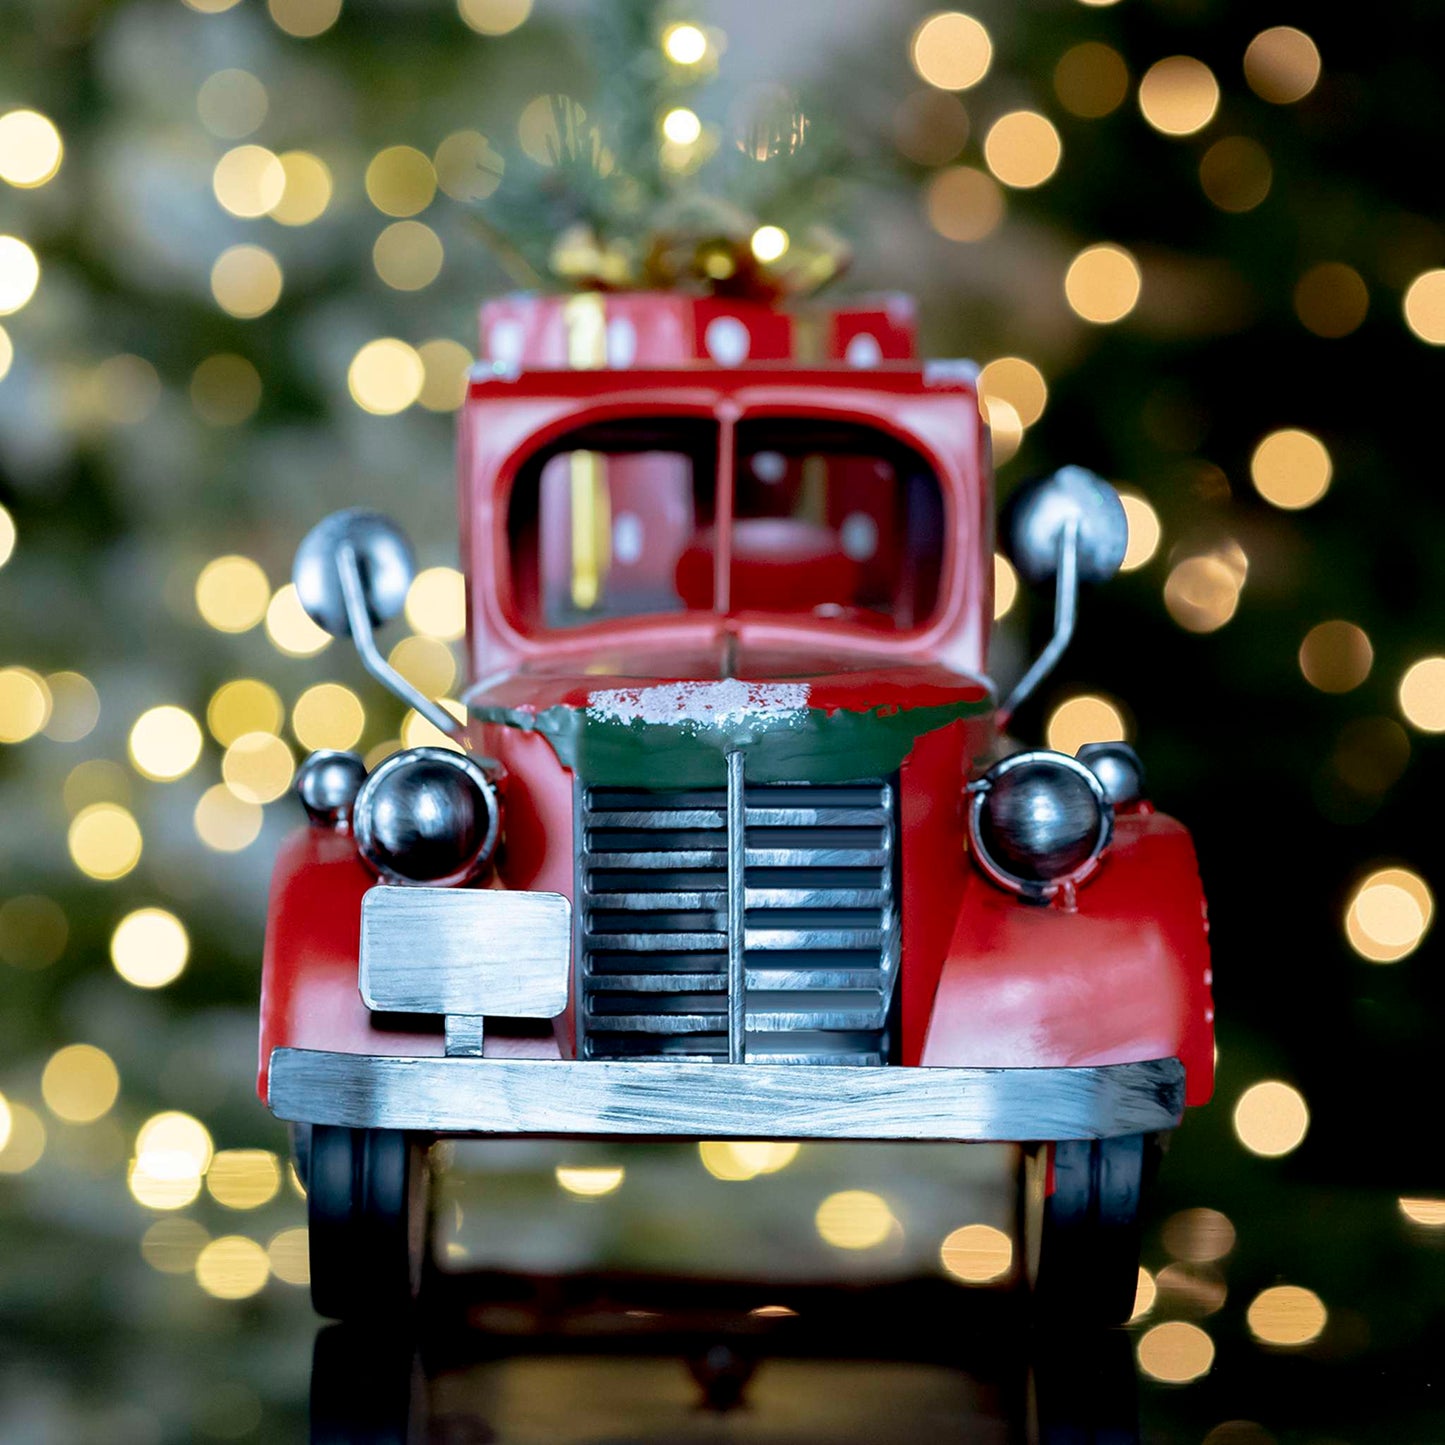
(371, 659)
(1066, 607)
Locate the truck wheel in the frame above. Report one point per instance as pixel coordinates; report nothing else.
(1080, 1244)
(367, 1215)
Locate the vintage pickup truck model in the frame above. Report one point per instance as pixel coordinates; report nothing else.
(732, 842)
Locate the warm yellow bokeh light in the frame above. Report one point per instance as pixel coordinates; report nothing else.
(1179, 95)
(494, 17)
(80, 1084)
(7, 522)
(977, 1254)
(97, 780)
(769, 243)
(290, 1255)
(1271, 1119)
(684, 44)
(1145, 1293)
(248, 181)
(1236, 174)
(149, 948)
(304, 18)
(246, 705)
(1425, 307)
(30, 148)
(258, 767)
(930, 127)
(964, 203)
(211, 7)
(1085, 719)
(1427, 1212)
(175, 1145)
(1091, 80)
(1005, 430)
(225, 389)
(289, 627)
(1102, 283)
(1023, 149)
(1018, 382)
(172, 1245)
(328, 716)
(408, 255)
(1145, 531)
(233, 1267)
(19, 274)
(306, 191)
(25, 704)
(386, 376)
(5, 1122)
(854, 1219)
(551, 128)
(1291, 469)
(1175, 1352)
(1282, 65)
(446, 366)
(244, 1178)
(246, 281)
(951, 50)
(400, 181)
(1005, 586)
(25, 1145)
(591, 1181)
(1201, 594)
(1198, 1236)
(7, 527)
(165, 743)
(738, 1160)
(468, 166)
(1335, 656)
(1389, 914)
(1287, 1315)
(1332, 299)
(225, 822)
(104, 841)
(425, 663)
(436, 604)
(420, 732)
(681, 126)
(232, 103)
(1422, 695)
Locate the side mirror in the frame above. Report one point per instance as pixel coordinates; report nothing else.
(352, 573)
(1071, 527)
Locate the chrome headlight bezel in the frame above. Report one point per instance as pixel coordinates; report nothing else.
(1035, 889)
(364, 816)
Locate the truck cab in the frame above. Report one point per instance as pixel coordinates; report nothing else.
(732, 841)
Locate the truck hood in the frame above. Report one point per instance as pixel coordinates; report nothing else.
(640, 716)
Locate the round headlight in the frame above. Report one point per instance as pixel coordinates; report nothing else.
(428, 816)
(1038, 821)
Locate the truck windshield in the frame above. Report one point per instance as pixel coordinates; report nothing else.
(818, 518)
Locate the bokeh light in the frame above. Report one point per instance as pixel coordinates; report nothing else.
(246, 705)
(1286, 1315)
(289, 627)
(1145, 1294)
(80, 1084)
(386, 376)
(468, 166)
(1022, 149)
(1389, 914)
(149, 948)
(1175, 1352)
(1091, 80)
(165, 743)
(225, 390)
(97, 780)
(232, 104)
(1282, 65)
(25, 704)
(30, 148)
(681, 126)
(243, 1178)
(290, 1256)
(964, 203)
(1005, 586)
(246, 281)
(304, 19)
(1424, 306)
(930, 127)
(854, 1219)
(400, 181)
(1422, 694)
(25, 1145)
(1085, 719)
(420, 732)
(248, 181)
(769, 243)
(74, 707)
(173, 1244)
(408, 255)
(1102, 283)
(425, 663)
(233, 1267)
(1198, 1236)
(977, 1254)
(1335, 656)
(19, 274)
(173, 1150)
(1331, 299)
(328, 715)
(1236, 173)
(738, 1160)
(306, 191)
(590, 1181)
(1145, 531)
(7, 525)
(258, 767)
(1291, 468)
(446, 367)
(1005, 430)
(1271, 1119)
(104, 841)
(225, 822)
(494, 17)
(951, 50)
(7, 522)
(1427, 1212)
(1018, 382)
(1179, 95)
(436, 604)
(684, 44)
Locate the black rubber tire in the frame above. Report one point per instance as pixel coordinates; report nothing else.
(367, 1215)
(367, 1388)
(1082, 1265)
(1085, 1388)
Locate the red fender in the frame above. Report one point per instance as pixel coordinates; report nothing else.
(1125, 978)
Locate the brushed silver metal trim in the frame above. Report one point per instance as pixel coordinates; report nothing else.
(604, 1098)
(737, 894)
(466, 1035)
(465, 951)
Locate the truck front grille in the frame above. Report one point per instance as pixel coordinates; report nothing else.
(820, 945)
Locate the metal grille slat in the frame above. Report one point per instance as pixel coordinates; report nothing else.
(817, 922)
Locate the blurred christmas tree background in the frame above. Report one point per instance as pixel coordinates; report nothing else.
(241, 249)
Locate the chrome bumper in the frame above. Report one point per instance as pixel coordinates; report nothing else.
(539, 1097)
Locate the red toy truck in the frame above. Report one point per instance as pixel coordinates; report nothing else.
(732, 842)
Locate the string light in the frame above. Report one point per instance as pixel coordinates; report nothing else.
(1102, 283)
(105, 841)
(290, 1255)
(1175, 1352)
(1424, 307)
(386, 376)
(290, 628)
(736, 1161)
(769, 243)
(25, 704)
(7, 522)
(854, 1219)
(246, 705)
(80, 1084)
(951, 50)
(258, 767)
(446, 368)
(1179, 96)
(1091, 80)
(1291, 469)
(1085, 719)
(468, 166)
(591, 1182)
(243, 1178)
(1271, 1119)
(1335, 656)
(306, 190)
(1331, 299)
(232, 1267)
(1198, 1236)
(248, 181)
(400, 181)
(1022, 149)
(304, 19)
(408, 255)
(436, 604)
(165, 743)
(1145, 531)
(25, 1146)
(1282, 65)
(172, 1245)
(494, 17)
(964, 203)
(149, 948)
(19, 274)
(681, 126)
(7, 358)
(225, 822)
(1286, 1315)
(1388, 915)
(328, 715)
(976, 1254)
(425, 663)
(232, 104)
(1005, 586)
(246, 281)
(1422, 695)
(173, 1150)
(30, 149)
(684, 44)
(1018, 382)
(930, 127)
